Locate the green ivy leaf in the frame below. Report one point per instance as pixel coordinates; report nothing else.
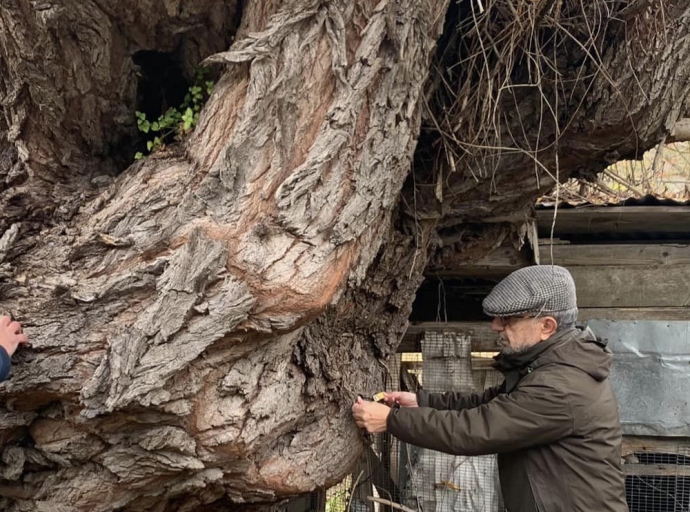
(178, 121)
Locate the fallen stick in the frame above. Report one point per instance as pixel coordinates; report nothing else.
(390, 504)
(352, 491)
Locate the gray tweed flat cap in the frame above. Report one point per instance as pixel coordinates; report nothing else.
(540, 289)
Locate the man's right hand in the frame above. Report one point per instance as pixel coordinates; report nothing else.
(403, 398)
(11, 335)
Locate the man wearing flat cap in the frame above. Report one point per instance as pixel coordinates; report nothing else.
(553, 421)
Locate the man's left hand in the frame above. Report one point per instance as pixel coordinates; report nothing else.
(370, 416)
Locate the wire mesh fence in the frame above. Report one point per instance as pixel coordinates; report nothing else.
(436, 481)
(338, 496)
(393, 476)
(658, 482)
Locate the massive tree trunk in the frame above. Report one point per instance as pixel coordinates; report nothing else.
(202, 320)
(200, 326)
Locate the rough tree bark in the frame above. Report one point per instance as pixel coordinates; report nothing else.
(200, 326)
(202, 322)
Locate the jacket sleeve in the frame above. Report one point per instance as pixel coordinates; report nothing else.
(533, 414)
(5, 362)
(455, 401)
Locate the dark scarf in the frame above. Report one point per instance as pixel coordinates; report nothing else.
(515, 366)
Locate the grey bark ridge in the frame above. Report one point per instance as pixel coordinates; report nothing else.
(197, 321)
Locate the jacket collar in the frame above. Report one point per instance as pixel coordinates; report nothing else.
(515, 366)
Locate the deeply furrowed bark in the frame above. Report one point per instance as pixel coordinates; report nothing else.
(68, 88)
(201, 325)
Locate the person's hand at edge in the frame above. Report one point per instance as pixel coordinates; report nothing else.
(11, 335)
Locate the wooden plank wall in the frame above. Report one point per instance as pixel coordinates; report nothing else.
(617, 220)
(654, 279)
(635, 445)
(614, 281)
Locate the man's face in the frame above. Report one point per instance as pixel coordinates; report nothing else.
(518, 333)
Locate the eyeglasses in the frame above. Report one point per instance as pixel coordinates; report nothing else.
(505, 321)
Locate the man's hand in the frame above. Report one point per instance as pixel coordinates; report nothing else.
(370, 416)
(402, 398)
(11, 335)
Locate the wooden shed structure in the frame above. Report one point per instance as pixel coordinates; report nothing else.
(631, 266)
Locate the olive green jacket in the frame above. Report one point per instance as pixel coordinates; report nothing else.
(553, 423)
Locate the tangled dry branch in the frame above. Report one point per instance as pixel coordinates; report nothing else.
(500, 54)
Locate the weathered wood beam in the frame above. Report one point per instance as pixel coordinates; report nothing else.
(656, 470)
(639, 314)
(616, 293)
(615, 219)
(605, 287)
(616, 255)
(497, 264)
(409, 382)
(648, 444)
(505, 260)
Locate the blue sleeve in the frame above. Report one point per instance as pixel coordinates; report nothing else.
(4, 364)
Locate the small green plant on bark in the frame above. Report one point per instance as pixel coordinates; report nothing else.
(176, 122)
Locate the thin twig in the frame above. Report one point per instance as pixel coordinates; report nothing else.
(352, 492)
(623, 182)
(391, 504)
(657, 160)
